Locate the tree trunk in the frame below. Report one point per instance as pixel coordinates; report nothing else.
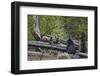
(36, 32)
(83, 43)
(36, 26)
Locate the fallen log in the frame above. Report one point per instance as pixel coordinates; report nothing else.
(83, 55)
(32, 44)
(59, 47)
(37, 53)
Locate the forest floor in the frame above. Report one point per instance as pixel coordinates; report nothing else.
(49, 55)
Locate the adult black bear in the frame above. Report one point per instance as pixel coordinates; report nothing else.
(70, 47)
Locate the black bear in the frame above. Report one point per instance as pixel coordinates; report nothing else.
(70, 47)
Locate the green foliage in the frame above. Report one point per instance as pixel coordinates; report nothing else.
(59, 26)
(74, 26)
(51, 25)
(30, 27)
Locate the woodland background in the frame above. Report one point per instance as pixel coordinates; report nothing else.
(57, 29)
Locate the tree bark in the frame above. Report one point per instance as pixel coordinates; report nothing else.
(36, 26)
(83, 43)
